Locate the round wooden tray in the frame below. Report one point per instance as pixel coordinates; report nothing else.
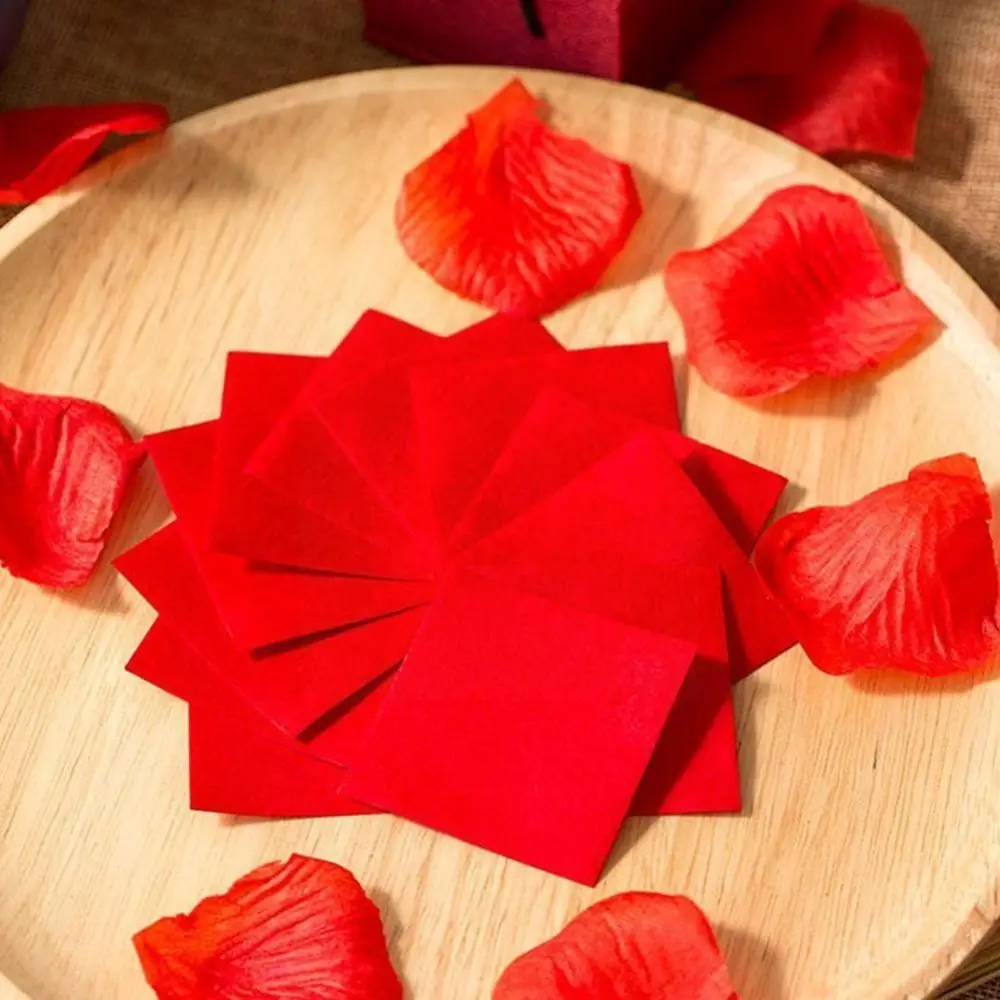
(865, 866)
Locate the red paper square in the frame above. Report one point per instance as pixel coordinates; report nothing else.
(521, 725)
(262, 607)
(695, 767)
(295, 688)
(637, 505)
(349, 451)
(372, 419)
(465, 413)
(239, 763)
(252, 520)
(562, 435)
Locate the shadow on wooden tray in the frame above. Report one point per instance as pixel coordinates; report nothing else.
(667, 224)
(744, 951)
(173, 168)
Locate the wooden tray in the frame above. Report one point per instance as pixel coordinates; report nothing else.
(866, 864)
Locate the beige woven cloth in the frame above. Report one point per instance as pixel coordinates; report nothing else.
(191, 56)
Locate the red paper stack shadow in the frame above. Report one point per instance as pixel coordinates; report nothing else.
(478, 581)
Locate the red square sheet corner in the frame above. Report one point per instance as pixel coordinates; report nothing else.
(521, 725)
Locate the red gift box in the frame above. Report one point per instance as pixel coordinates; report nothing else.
(634, 40)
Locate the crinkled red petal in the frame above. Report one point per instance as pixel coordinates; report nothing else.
(861, 92)
(513, 215)
(903, 578)
(299, 930)
(758, 38)
(801, 288)
(43, 148)
(636, 946)
(65, 465)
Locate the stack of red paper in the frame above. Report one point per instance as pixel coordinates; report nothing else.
(480, 582)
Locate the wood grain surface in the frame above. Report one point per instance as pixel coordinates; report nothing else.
(865, 866)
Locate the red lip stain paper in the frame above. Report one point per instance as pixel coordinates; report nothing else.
(638, 505)
(695, 767)
(373, 420)
(294, 688)
(247, 519)
(417, 548)
(521, 725)
(561, 436)
(270, 525)
(351, 454)
(466, 413)
(239, 763)
(262, 608)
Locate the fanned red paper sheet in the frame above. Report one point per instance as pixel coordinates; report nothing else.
(261, 608)
(521, 725)
(695, 767)
(269, 525)
(561, 436)
(295, 688)
(239, 763)
(349, 452)
(466, 413)
(250, 520)
(637, 504)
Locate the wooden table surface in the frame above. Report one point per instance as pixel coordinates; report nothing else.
(865, 865)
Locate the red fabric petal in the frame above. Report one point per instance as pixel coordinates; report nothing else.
(299, 930)
(903, 578)
(43, 148)
(801, 288)
(758, 38)
(513, 215)
(636, 946)
(64, 467)
(862, 90)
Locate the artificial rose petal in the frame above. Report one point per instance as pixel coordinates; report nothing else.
(636, 946)
(43, 148)
(766, 38)
(299, 930)
(801, 288)
(862, 90)
(513, 215)
(64, 467)
(903, 578)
